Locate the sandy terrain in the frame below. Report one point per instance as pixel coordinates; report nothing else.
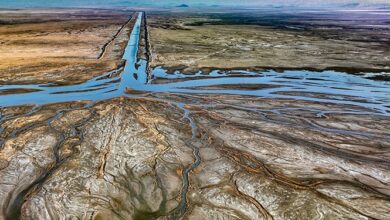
(61, 47)
(203, 41)
(124, 159)
(169, 155)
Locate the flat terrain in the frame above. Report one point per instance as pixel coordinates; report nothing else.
(201, 41)
(60, 47)
(225, 145)
(125, 158)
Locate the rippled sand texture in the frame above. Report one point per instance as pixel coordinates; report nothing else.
(61, 47)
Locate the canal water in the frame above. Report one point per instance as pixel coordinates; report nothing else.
(325, 87)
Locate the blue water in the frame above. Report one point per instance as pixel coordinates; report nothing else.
(340, 88)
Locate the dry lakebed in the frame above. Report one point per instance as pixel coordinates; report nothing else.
(121, 114)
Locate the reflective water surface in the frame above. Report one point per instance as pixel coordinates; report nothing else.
(322, 87)
(326, 86)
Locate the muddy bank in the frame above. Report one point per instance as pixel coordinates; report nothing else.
(313, 41)
(124, 158)
(223, 145)
(61, 47)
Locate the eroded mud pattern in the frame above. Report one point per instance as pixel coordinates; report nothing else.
(139, 144)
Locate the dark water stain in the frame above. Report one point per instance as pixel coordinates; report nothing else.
(140, 215)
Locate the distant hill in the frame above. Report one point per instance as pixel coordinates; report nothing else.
(351, 5)
(183, 6)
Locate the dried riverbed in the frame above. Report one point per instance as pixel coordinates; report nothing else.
(220, 145)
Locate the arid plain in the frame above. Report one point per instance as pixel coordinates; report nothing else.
(267, 136)
(61, 47)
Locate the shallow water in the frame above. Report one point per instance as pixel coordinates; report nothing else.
(324, 87)
(327, 86)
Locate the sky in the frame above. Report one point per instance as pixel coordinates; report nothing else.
(193, 3)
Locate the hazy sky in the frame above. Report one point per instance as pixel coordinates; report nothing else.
(97, 3)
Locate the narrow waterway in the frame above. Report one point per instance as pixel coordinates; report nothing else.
(325, 87)
(322, 87)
